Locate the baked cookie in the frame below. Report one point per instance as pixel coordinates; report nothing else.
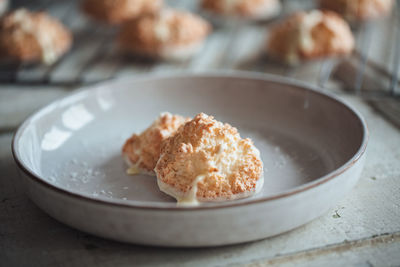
(32, 36)
(118, 11)
(141, 152)
(170, 35)
(356, 10)
(309, 35)
(250, 9)
(207, 160)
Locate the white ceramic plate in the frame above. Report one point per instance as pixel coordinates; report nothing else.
(312, 146)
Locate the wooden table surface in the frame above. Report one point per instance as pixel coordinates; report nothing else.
(363, 229)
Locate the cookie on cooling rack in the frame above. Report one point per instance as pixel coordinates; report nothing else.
(207, 160)
(356, 10)
(249, 9)
(170, 34)
(310, 35)
(32, 37)
(118, 11)
(142, 151)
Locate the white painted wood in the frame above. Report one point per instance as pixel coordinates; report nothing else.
(377, 251)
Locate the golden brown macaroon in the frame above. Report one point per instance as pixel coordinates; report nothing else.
(310, 35)
(141, 152)
(359, 10)
(171, 35)
(119, 11)
(32, 36)
(251, 9)
(207, 160)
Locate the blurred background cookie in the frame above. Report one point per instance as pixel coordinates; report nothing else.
(309, 35)
(250, 9)
(354, 10)
(170, 35)
(32, 36)
(118, 11)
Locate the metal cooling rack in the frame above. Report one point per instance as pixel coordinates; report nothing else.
(372, 71)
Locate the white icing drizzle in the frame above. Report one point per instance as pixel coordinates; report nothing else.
(161, 29)
(135, 169)
(306, 41)
(190, 198)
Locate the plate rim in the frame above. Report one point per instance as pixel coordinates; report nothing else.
(187, 74)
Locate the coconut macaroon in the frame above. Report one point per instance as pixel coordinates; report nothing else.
(32, 36)
(250, 9)
(141, 152)
(359, 10)
(207, 160)
(170, 35)
(118, 11)
(309, 35)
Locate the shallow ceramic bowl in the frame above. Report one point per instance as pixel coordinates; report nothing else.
(69, 156)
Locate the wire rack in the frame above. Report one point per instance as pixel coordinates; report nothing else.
(371, 71)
